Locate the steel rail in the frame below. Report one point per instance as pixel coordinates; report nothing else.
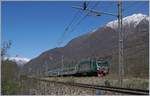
(98, 87)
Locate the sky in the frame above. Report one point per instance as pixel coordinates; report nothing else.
(37, 26)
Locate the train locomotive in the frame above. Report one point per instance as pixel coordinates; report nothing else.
(86, 67)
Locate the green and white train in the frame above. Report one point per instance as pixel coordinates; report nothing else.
(85, 67)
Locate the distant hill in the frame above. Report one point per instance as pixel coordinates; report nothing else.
(102, 43)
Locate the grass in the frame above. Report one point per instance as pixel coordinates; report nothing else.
(137, 83)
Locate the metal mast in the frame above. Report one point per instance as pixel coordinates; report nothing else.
(46, 68)
(120, 32)
(62, 61)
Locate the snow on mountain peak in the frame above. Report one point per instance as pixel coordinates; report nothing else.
(19, 60)
(133, 19)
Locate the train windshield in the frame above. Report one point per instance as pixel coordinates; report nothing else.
(102, 63)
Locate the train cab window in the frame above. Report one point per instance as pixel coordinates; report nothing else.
(102, 63)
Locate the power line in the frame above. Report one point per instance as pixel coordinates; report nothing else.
(67, 28)
(96, 4)
(108, 7)
(77, 24)
(60, 41)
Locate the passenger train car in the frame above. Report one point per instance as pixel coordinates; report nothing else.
(85, 67)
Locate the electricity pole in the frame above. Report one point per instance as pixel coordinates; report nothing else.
(120, 32)
(62, 61)
(46, 68)
(121, 69)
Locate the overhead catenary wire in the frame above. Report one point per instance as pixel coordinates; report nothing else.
(77, 24)
(95, 5)
(108, 7)
(67, 28)
(60, 41)
(84, 17)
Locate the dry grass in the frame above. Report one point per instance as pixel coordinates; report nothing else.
(138, 83)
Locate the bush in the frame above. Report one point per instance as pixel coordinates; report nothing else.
(9, 78)
(10, 87)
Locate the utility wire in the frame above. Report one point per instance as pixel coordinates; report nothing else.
(77, 24)
(67, 28)
(96, 4)
(108, 7)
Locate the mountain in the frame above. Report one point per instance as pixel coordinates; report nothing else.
(129, 21)
(19, 60)
(102, 43)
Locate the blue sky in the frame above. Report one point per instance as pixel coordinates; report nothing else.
(35, 27)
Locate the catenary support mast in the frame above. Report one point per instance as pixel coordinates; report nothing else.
(120, 31)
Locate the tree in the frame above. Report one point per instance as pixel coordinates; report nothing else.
(5, 47)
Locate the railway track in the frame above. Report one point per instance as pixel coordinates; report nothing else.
(104, 88)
